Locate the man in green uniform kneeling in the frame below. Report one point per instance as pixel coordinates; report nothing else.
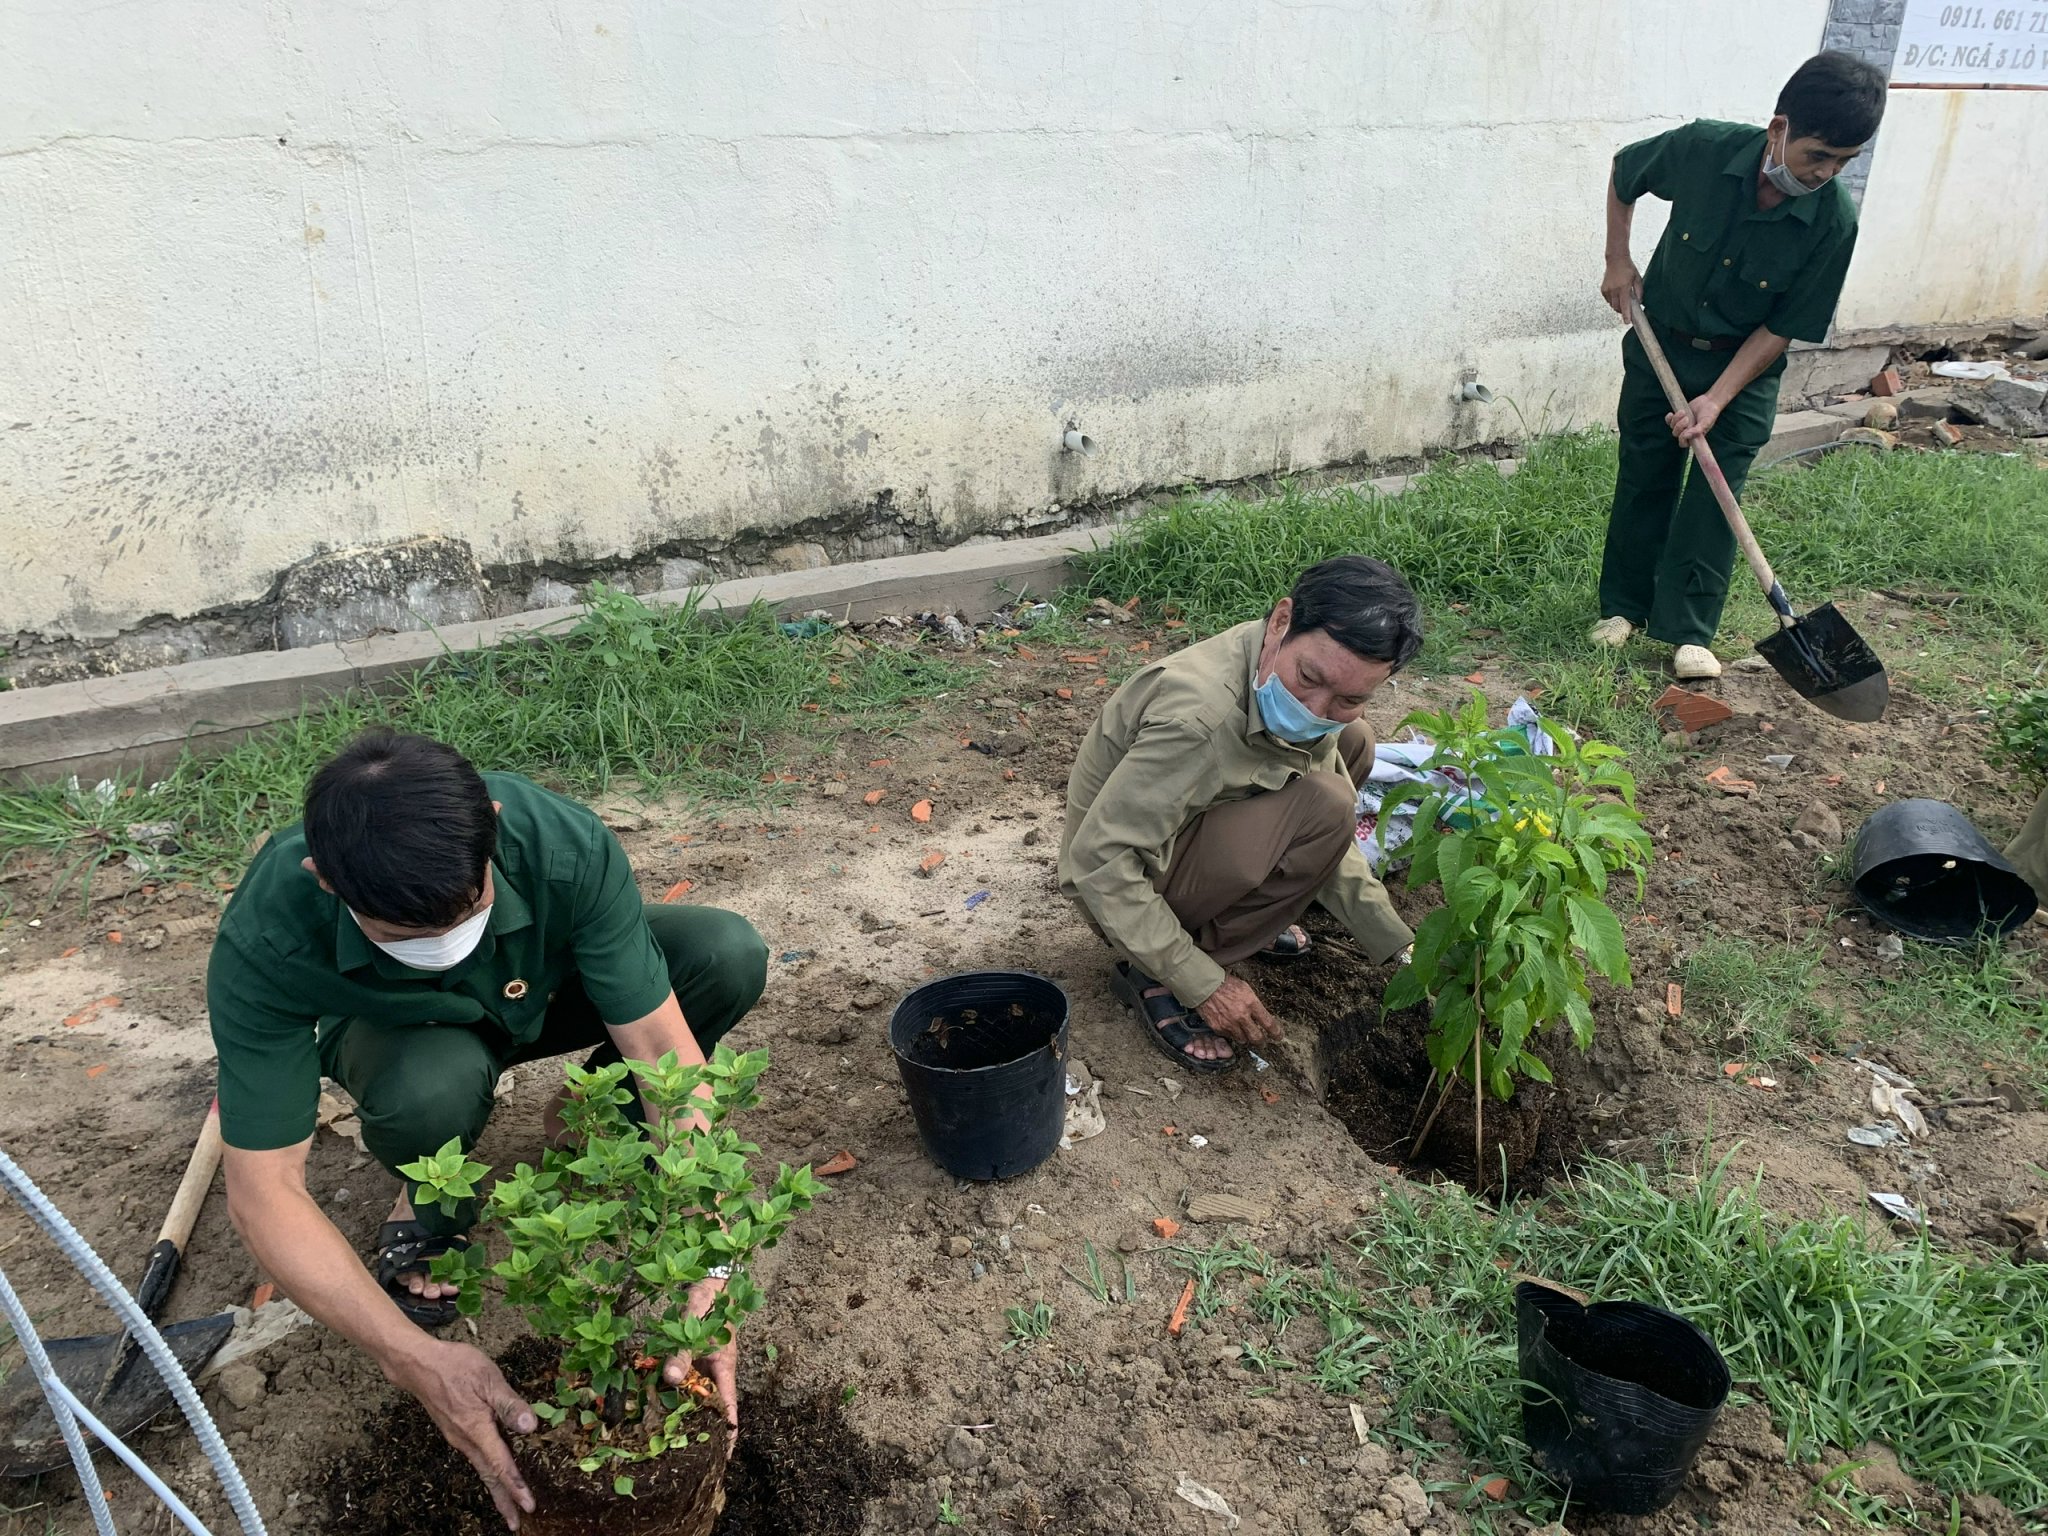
(422, 929)
(1753, 258)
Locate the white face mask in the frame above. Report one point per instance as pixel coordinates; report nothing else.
(1779, 175)
(440, 951)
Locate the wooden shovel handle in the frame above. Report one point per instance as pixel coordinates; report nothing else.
(1704, 456)
(198, 1180)
(168, 1252)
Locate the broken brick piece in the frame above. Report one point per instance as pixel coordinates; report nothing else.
(1683, 710)
(843, 1162)
(930, 863)
(1726, 782)
(1165, 1226)
(1887, 382)
(1948, 434)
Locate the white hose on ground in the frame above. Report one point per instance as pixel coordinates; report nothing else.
(89, 1264)
(67, 1425)
(133, 1462)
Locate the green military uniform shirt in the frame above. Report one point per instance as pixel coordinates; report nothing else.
(1725, 266)
(290, 960)
(1179, 737)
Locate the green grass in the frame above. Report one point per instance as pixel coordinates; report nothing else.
(1975, 1009)
(1508, 564)
(1971, 1011)
(1845, 1336)
(672, 699)
(1758, 1002)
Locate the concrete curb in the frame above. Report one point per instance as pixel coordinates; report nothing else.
(139, 722)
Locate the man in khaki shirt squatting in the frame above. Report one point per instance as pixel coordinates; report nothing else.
(1215, 798)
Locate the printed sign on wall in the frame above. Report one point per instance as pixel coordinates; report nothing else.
(2003, 44)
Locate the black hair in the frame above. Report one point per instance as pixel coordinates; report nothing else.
(1834, 97)
(403, 828)
(1363, 605)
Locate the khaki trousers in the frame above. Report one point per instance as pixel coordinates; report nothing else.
(1243, 871)
(2028, 852)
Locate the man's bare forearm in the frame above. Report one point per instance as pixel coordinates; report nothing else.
(654, 1036)
(292, 1239)
(1621, 219)
(1759, 350)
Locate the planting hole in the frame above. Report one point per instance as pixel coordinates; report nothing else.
(1374, 1072)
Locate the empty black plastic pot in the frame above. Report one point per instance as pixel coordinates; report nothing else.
(1617, 1397)
(1922, 868)
(984, 1061)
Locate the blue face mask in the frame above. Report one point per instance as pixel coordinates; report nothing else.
(1290, 719)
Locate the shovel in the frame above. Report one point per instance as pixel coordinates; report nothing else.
(107, 1371)
(1820, 655)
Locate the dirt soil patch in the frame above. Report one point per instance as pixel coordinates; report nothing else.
(879, 1382)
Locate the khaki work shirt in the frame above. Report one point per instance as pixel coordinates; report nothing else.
(1181, 736)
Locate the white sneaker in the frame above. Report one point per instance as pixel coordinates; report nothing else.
(1614, 631)
(1693, 663)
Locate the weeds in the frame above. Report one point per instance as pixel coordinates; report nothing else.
(670, 698)
(1232, 1256)
(1028, 1325)
(2019, 733)
(1096, 1283)
(1758, 1002)
(1977, 1010)
(1846, 1337)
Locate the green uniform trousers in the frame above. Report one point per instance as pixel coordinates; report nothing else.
(419, 1085)
(1669, 550)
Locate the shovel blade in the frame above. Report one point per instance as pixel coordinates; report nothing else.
(30, 1442)
(1830, 665)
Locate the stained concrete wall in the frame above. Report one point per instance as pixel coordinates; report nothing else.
(578, 279)
(1955, 219)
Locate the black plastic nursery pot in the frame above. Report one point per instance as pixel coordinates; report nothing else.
(1617, 1397)
(1919, 866)
(984, 1061)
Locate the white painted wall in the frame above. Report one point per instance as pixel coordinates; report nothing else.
(570, 279)
(1955, 219)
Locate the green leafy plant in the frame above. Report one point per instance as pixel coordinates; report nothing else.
(948, 1515)
(1028, 1325)
(1524, 850)
(2019, 733)
(610, 1236)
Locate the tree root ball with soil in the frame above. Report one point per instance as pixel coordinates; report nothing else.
(797, 1468)
(681, 1493)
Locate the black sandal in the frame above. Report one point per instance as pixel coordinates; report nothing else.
(1169, 1023)
(405, 1248)
(1291, 943)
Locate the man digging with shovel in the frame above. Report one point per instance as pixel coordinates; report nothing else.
(1753, 258)
(1216, 796)
(424, 928)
